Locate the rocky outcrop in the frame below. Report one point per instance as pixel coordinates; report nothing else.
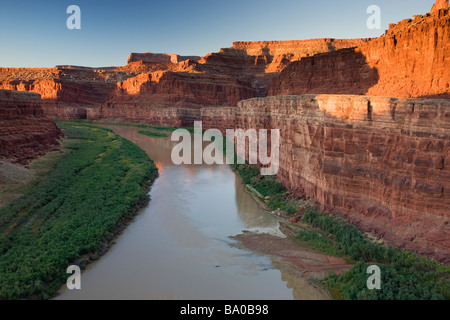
(440, 4)
(25, 132)
(67, 92)
(258, 62)
(64, 99)
(137, 98)
(72, 92)
(383, 163)
(279, 54)
(410, 60)
(342, 72)
(220, 79)
(159, 58)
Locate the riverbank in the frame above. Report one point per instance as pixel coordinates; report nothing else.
(13, 177)
(179, 246)
(311, 264)
(405, 275)
(72, 214)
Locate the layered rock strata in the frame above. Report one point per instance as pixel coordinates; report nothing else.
(410, 60)
(383, 163)
(141, 97)
(25, 132)
(159, 58)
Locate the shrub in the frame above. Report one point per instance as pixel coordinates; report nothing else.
(70, 211)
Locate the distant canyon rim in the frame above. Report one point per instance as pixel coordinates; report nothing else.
(365, 123)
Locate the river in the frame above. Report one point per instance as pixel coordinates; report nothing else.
(178, 246)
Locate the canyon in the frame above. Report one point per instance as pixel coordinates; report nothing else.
(382, 163)
(149, 83)
(365, 123)
(410, 60)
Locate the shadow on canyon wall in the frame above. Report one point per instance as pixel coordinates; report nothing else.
(344, 71)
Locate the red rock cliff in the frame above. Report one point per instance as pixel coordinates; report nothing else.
(258, 62)
(440, 4)
(279, 54)
(25, 132)
(410, 60)
(70, 92)
(137, 98)
(384, 163)
(159, 58)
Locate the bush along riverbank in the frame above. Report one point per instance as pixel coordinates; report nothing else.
(76, 209)
(404, 275)
(152, 134)
(128, 124)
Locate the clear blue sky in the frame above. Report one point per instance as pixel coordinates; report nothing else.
(34, 33)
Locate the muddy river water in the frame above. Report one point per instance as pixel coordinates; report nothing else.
(178, 246)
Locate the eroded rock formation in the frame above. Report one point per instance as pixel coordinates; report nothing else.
(141, 97)
(159, 58)
(383, 163)
(71, 92)
(279, 54)
(218, 79)
(258, 62)
(440, 4)
(410, 60)
(67, 92)
(25, 132)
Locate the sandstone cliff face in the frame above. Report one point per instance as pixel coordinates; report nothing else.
(159, 58)
(279, 54)
(136, 98)
(221, 79)
(71, 92)
(67, 92)
(383, 163)
(410, 60)
(64, 99)
(258, 62)
(440, 4)
(25, 132)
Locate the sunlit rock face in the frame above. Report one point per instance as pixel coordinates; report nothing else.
(383, 163)
(440, 4)
(159, 58)
(410, 60)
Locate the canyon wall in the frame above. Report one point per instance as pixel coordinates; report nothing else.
(72, 92)
(67, 92)
(383, 163)
(25, 132)
(64, 99)
(152, 80)
(259, 61)
(141, 97)
(279, 54)
(410, 60)
(148, 57)
(440, 4)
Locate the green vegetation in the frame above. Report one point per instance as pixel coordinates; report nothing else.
(317, 241)
(102, 177)
(98, 183)
(405, 275)
(268, 186)
(153, 134)
(136, 125)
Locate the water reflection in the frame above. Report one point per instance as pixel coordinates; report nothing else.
(179, 246)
